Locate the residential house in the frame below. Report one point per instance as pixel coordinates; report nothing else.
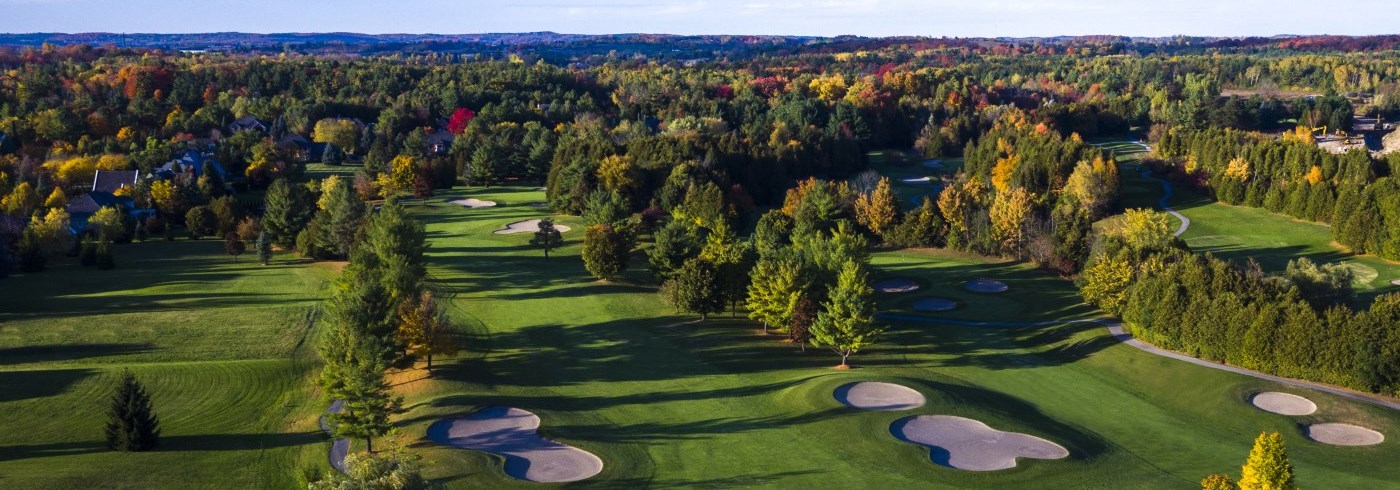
(247, 123)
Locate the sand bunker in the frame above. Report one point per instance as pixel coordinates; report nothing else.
(527, 226)
(935, 304)
(1283, 403)
(920, 180)
(474, 203)
(1395, 282)
(896, 286)
(933, 164)
(339, 447)
(510, 433)
(985, 286)
(885, 397)
(971, 445)
(1343, 435)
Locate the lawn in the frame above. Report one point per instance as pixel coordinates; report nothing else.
(223, 347)
(667, 401)
(1238, 233)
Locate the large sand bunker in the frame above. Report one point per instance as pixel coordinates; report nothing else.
(896, 286)
(917, 180)
(527, 226)
(511, 433)
(473, 203)
(1395, 282)
(971, 445)
(1343, 435)
(935, 304)
(986, 286)
(885, 397)
(1283, 403)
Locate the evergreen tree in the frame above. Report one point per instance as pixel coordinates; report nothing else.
(675, 243)
(1268, 467)
(88, 255)
(847, 321)
(132, 424)
(104, 254)
(605, 207)
(341, 215)
(548, 237)
(233, 245)
(288, 209)
(333, 155)
(264, 247)
(369, 402)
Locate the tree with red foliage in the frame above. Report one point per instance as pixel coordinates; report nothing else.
(460, 118)
(423, 182)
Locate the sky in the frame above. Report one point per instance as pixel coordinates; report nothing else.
(966, 18)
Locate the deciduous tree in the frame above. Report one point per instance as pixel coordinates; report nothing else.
(847, 321)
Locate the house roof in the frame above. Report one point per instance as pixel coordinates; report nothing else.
(246, 123)
(111, 180)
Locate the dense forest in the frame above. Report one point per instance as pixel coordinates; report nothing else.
(690, 156)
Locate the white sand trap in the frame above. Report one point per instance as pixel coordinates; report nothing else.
(884, 397)
(896, 286)
(1283, 403)
(986, 286)
(971, 445)
(474, 203)
(1395, 282)
(1343, 435)
(935, 304)
(339, 447)
(920, 180)
(511, 433)
(527, 226)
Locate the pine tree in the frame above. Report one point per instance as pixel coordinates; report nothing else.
(104, 254)
(548, 237)
(673, 244)
(264, 247)
(368, 401)
(288, 209)
(87, 256)
(847, 321)
(132, 424)
(1268, 467)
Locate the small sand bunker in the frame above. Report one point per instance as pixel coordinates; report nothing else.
(884, 397)
(1395, 282)
(919, 180)
(1283, 403)
(527, 226)
(935, 304)
(971, 445)
(1343, 435)
(511, 433)
(473, 203)
(933, 163)
(985, 286)
(896, 286)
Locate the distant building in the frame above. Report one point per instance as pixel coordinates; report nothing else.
(439, 142)
(190, 164)
(109, 181)
(247, 123)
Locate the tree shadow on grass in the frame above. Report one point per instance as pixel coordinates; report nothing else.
(168, 444)
(23, 385)
(69, 352)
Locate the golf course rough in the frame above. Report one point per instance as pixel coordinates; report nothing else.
(884, 397)
(512, 434)
(1283, 403)
(1343, 434)
(896, 286)
(473, 203)
(971, 445)
(527, 226)
(986, 286)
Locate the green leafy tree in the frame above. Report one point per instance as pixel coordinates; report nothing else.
(132, 424)
(104, 254)
(605, 251)
(695, 289)
(384, 471)
(31, 252)
(233, 245)
(200, 222)
(605, 207)
(87, 254)
(847, 321)
(733, 261)
(548, 237)
(1218, 482)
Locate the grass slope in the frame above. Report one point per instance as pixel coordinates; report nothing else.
(666, 401)
(223, 347)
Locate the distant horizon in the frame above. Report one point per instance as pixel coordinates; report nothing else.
(644, 33)
(805, 18)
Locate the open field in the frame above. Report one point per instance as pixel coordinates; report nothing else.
(668, 401)
(223, 347)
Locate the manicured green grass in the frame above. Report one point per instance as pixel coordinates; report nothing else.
(666, 401)
(911, 194)
(1239, 233)
(223, 347)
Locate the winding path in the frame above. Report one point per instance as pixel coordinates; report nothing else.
(1167, 192)
(1115, 328)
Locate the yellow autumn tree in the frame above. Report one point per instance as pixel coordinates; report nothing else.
(341, 132)
(1145, 229)
(1268, 467)
(1005, 168)
(1010, 212)
(399, 178)
(1105, 283)
(876, 210)
(20, 201)
(1218, 482)
(619, 173)
(57, 199)
(1314, 175)
(1238, 169)
(829, 88)
(166, 197)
